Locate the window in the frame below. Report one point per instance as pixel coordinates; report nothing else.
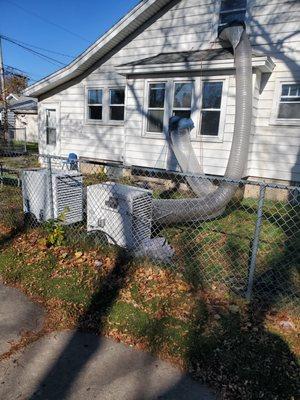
(156, 107)
(183, 92)
(232, 10)
(202, 100)
(211, 108)
(116, 104)
(94, 104)
(289, 103)
(50, 127)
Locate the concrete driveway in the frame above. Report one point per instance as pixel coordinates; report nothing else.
(79, 366)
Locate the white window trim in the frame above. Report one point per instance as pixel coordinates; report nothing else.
(274, 120)
(105, 105)
(195, 107)
(148, 82)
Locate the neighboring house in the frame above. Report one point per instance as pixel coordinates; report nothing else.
(24, 116)
(114, 101)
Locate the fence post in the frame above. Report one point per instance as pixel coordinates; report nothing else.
(25, 140)
(49, 171)
(255, 243)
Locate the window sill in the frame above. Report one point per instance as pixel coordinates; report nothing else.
(102, 123)
(209, 139)
(282, 122)
(198, 138)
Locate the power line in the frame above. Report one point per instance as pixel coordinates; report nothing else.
(10, 69)
(36, 47)
(38, 54)
(12, 73)
(48, 21)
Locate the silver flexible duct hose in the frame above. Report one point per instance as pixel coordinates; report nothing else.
(180, 141)
(168, 212)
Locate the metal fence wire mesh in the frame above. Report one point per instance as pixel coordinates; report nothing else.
(251, 249)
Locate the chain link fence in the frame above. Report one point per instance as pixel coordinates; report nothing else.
(249, 248)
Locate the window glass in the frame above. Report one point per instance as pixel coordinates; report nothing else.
(95, 104)
(227, 18)
(183, 95)
(157, 95)
(227, 5)
(95, 97)
(117, 113)
(51, 127)
(182, 113)
(182, 103)
(155, 121)
(289, 105)
(156, 104)
(95, 112)
(212, 94)
(210, 123)
(232, 10)
(211, 108)
(117, 96)
(117, 104)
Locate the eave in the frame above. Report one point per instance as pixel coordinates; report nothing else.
(263, 63)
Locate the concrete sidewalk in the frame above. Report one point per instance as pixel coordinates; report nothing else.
(17, 315)
(80, 366)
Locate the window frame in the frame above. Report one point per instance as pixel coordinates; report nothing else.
(196, 106)
(115, 121)
(93, 105)
(145, 131)
(223, 108)
(274, 120)
(105, 105)
(47, 127)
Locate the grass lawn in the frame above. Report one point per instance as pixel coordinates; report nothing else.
(190, 312)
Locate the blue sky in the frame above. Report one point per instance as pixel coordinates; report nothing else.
(88, 19)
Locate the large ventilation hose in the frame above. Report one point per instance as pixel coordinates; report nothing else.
(180, 141)
(168, 212)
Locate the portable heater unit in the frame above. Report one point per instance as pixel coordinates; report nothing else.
(122, 213)
(66, 198)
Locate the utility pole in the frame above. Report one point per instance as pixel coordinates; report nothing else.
(3, 92)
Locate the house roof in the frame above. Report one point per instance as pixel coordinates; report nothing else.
(127, 25)
(20, 103)
(212, 59)
(184, 56)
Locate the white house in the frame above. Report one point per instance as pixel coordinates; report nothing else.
(164, 58)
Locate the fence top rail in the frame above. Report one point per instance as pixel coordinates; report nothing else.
(160, 171)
